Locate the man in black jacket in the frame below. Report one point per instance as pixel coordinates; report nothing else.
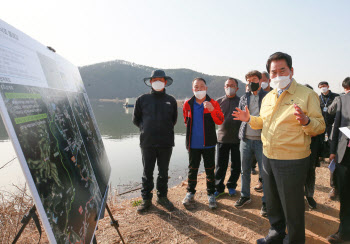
(155, 114)
(326, 99)
(315, 147)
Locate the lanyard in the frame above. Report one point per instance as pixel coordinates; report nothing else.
(325, 103)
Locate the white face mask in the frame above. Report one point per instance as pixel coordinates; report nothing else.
(324, 89)
(264, 85)
(200, 94)
(158, 85)
(280, 81)
(230, 91)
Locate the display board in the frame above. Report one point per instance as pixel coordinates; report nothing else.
(50, 121)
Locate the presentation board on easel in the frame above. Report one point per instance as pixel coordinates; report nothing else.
(49, 119)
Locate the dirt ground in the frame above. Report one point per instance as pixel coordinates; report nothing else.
(199, 224)
(226, 224)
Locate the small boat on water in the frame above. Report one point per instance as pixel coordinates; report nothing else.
(129, 102)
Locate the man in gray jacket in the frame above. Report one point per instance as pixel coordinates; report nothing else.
(250, 139)
(228, 141)
(340, 152)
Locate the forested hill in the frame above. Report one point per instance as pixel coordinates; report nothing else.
(121, 79)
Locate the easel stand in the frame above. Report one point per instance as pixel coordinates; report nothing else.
(25, 221)
(32, 214)
(114, 223)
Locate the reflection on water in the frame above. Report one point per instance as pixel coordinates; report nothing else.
(125, 158)
(121, 139)
(128, 110)
(115, 122)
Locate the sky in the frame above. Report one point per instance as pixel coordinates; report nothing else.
(223, 37)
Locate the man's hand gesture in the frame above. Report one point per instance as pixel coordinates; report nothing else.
(241, 115)
(208, 106)
(300, 116)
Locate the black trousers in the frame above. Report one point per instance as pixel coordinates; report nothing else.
(284, 182)
(342, 176)
(151, 155)
(223, 155)
(329, 130)
(316, 143)
(195, 156)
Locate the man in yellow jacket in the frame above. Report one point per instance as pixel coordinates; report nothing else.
(289, 116)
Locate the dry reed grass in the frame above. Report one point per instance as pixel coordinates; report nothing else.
(13, 206)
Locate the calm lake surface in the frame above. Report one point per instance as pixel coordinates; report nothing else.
(121, 140)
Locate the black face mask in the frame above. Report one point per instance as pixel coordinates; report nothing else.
(253, 86)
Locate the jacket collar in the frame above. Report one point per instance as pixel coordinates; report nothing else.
(291, 88)
(158, 92)
(191, 101)
(260, 93)
(328, 95)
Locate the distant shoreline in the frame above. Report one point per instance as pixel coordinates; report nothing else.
(180, 102)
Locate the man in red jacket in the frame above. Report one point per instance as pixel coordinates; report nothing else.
(201, 113)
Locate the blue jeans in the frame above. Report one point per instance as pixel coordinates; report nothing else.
(248, 148)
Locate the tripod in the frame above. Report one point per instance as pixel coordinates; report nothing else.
(25, 221)
(114, 223)
(32, 214)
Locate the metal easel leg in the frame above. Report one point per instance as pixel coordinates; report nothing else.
(114, 223)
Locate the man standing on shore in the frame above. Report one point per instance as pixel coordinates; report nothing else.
(201, 113)
(289, 116)
(250, 143)
(265, 85)
(228, 141)
(155, 114)
(326, 99)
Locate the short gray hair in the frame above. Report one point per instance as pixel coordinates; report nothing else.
(266, 74)
(233, 79)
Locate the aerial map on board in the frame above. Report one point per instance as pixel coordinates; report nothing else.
(52, 126)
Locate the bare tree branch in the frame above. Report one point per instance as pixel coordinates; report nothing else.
(8, 162)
